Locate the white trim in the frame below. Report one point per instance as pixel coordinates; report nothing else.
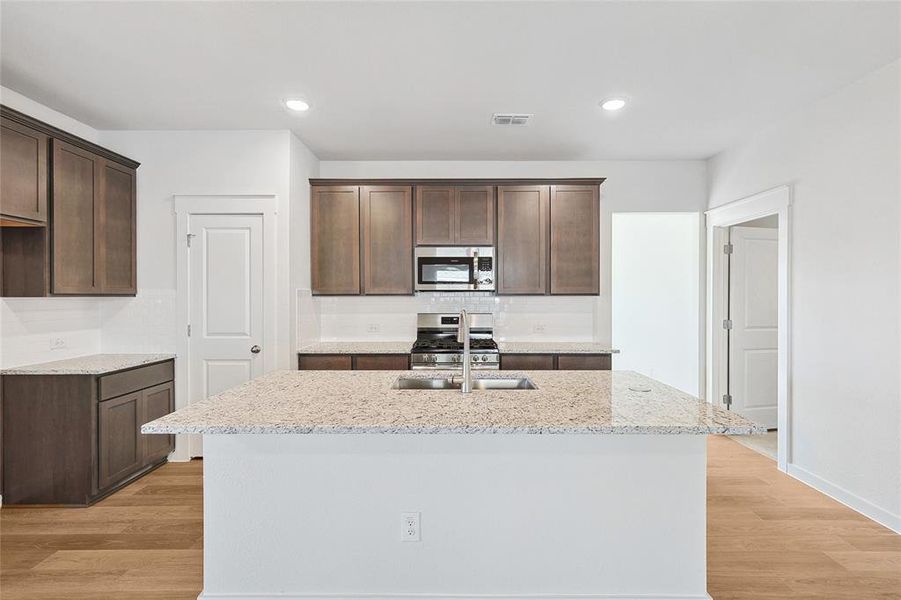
(426, 596)
(852, 501)
(776, 201)
(265, 205)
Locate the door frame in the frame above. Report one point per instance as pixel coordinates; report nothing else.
(265, 205)
(776, 201)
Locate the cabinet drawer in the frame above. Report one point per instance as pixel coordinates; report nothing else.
(133, 380)
(382, 362)
(324, 362)
(527, 362)
(583, 362)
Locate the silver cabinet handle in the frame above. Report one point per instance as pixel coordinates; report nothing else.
(255, 349)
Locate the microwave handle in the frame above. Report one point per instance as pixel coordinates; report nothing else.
(475, 269)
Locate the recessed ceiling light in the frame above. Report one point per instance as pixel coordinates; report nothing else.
(297, 104)
(613, 104)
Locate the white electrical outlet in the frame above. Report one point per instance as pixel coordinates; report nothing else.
(58, 343)
(373, 328)
(538, 328)
(409, 531)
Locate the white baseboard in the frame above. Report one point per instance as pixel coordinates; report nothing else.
(852, 501)
(288, 596)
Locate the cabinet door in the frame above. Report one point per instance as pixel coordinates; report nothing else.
(76, 179)
(325, 362)
(116, 228)
(475, 216)
(121, 451)
(335, 240)
(575, 240)
(157, 402)
(435, 215)
(381, 362)
(528, 362)
(584, 362)
(387, 239)
(23, 172)
(522, 229)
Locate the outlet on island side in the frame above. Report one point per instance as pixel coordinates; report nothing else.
(409, 531)
(373, 328)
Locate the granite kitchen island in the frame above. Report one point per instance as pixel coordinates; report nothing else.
(593, 485)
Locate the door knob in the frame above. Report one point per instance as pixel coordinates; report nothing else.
(255, 349)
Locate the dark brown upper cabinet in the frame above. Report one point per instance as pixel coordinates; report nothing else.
(67, 213)
(117, 251)
(93, 227)
(387, 235)
(547, 231)
(574, 240)
(335, 240)
(436, 210)
(455, 215)
(475, 216)
(522, 234)
(74, 235)
(23, 175)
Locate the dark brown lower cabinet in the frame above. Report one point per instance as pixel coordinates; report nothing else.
(64, 445)
(325, 362)
(556, 362)
(356, 362)
(381, 362)
(584, 362)
(528, 362)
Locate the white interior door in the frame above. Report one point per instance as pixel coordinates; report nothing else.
(226, 305)
(753, 310)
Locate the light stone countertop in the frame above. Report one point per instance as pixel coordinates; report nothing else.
(554, 348)
(92, 364)
(361, 402)
(357, 348)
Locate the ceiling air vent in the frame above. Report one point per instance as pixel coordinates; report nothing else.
(518, 119)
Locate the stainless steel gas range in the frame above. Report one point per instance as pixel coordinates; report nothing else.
(436, 345)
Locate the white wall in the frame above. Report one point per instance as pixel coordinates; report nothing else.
(841, 157)
(304, 321)
(630, 186)
(29, 327)
(193, 163)
(656, 294)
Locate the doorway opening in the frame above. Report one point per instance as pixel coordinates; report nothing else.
(751, 327)
(748, 316)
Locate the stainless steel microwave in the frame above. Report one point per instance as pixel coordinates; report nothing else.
(455, 268)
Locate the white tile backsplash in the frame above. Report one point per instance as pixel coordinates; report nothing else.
(34, 330)
(144, 324)
(390, 318)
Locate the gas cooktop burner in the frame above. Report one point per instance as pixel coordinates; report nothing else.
(436, 345)
(452, 345)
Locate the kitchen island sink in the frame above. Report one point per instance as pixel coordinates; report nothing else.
(456, 382)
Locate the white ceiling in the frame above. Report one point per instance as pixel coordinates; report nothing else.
(421, 80)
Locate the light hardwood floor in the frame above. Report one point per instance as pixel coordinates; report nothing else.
(769, 537)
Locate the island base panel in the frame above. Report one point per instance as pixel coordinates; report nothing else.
(594, 516)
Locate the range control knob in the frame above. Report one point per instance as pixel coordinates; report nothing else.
(487, 280)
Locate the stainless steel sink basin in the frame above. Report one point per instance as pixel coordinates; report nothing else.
(455, 383)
